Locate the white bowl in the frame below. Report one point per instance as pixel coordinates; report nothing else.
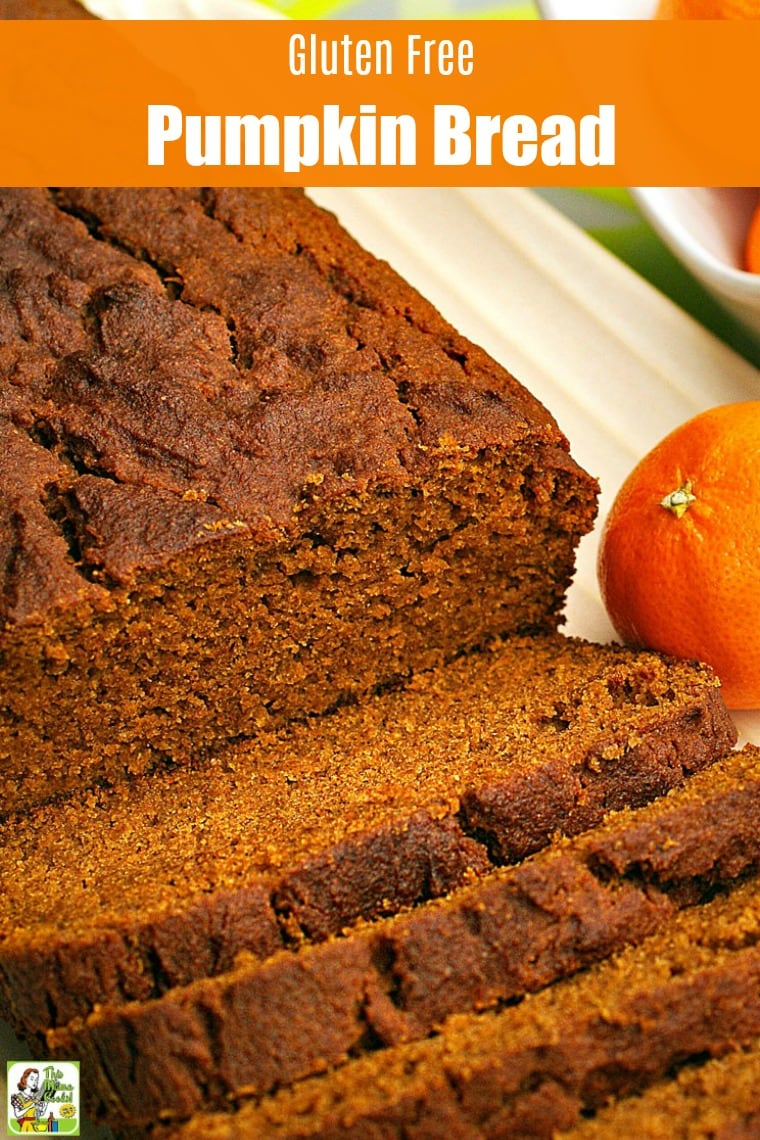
(596, 9)
(704, 228)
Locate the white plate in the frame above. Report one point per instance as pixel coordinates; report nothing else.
(618, 364)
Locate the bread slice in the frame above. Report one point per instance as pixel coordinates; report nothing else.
(719, 1100)
(692, 989)
(247, 472)
(164, 880)
(263, 1025)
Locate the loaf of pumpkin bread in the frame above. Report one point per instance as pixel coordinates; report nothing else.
(247, 472)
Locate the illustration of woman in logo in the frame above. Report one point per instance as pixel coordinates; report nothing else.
(29, 1103)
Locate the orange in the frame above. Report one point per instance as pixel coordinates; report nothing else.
(679, 560)
(708, 10)
(752, 248)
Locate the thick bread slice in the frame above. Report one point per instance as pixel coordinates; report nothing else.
(359, 814)
(719, 1100)
(264, 1025)
(692, 989)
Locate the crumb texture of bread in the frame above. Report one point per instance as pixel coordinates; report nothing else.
(247, 473)
(398, 980)
(533, 1069)
(164, 879)
(717, 1100)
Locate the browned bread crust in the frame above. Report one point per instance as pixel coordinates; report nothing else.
(247, 472)
(718, 1100)
(395, 981)
(692, 989)
(356, 815)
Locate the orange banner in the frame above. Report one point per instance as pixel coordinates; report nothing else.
(379, 103)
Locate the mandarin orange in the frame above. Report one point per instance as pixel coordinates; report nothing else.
(752, 246)
(708, 10)
(679, 559)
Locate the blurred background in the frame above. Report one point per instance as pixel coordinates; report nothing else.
(404, 9)
(610, 216)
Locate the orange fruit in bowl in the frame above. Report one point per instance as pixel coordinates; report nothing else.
(708, 10)
(679, 557)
